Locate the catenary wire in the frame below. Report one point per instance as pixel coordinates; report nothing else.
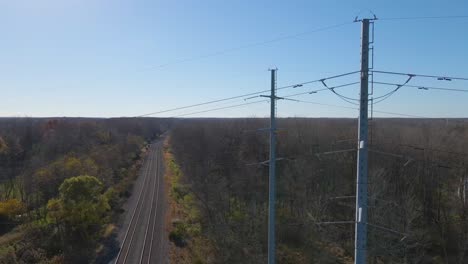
(314, 91)
(299, 101)
(426, 87)
(388, 95)
(260, 43)
(342, 97)
(439, 77)
(419, 147)
(303, 101)
(354, 108)
(220, 108)
(319, 90)
(425, 17)
(248, 94)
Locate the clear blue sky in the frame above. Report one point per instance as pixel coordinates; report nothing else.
(100, 57)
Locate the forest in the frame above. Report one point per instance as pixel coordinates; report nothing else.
(418, 185)
(63, 182)
(62, 185)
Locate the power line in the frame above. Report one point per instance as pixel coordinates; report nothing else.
(355, 108)
(200, 104)
(330, 105)
(260, 43)
(347, 107)
(399, 114)
(421, 87)
(311, 92)
(304, 93)
(221, 108)
(438, 77)
(419, 116)
(319, 90)
(410, 76)
(302, 101)
(386, 96)
(296, 85)
(388, 229)
(417, 147)
(307, 102)
(424, 17)
(319, 80)
(342, 97)
(299, 101)
(411, 159)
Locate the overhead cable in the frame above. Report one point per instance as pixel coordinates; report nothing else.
(221, 108)
(438, 77)
(386, 96)
(423, 87)
(245, 95)
(255, 44)
(425, 17)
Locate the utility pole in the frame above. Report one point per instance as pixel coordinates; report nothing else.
(360, 242)
(272, 173)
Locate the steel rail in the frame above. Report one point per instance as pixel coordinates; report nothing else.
(138, 208)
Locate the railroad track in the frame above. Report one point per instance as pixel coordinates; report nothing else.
(141, 236)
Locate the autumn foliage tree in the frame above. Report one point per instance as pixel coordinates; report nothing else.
(9, 210)
(37, 155)
(79, 214)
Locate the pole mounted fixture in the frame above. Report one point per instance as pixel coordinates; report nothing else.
(374, 17)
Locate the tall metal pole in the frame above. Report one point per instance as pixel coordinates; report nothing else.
(272, 173)
(360, 253)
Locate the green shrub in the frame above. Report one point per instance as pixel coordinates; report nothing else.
(179, 234)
